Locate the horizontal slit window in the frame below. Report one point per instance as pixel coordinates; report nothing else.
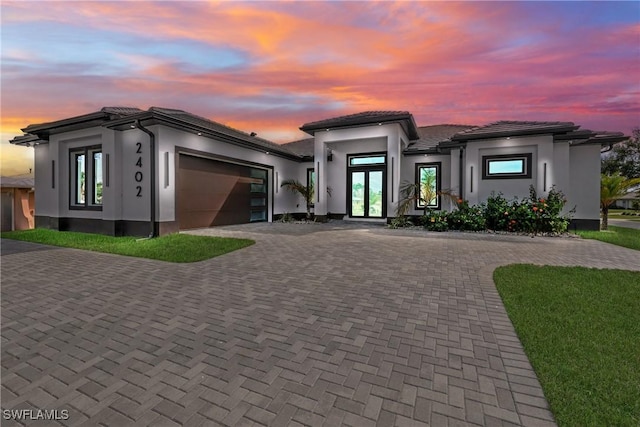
(506, 166)
(366, 160)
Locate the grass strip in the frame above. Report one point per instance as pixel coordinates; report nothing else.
(580, 329)
(621, 236)
(173, 247)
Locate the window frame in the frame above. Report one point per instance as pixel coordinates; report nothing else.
(311, 172)
(526, 162)
(90, 176)
(364, 156)
(438, 167)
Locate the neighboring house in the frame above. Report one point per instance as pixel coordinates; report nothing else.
(95, 172)
(18, 203)
(627, 201)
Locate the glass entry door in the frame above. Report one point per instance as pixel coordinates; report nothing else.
(366, 195)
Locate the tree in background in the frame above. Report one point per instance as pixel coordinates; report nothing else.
(625, 158)
(612, 188)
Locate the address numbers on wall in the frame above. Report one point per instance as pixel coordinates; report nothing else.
(138, 174)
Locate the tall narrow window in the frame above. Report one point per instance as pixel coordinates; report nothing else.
(97, 178)
(81, 179)
(311, 178)
(428, 185)
(86, 176)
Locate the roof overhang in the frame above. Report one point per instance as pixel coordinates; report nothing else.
(155, 117)
(462, 137)
(406, 121)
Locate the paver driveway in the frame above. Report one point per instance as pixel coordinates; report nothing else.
(314, 325)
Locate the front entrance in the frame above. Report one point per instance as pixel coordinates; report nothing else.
(367, 186)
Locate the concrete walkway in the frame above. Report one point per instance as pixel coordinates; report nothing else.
(334, 324)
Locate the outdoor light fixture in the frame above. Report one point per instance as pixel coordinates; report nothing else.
(329, 155)
(133, 126)
(199, 133)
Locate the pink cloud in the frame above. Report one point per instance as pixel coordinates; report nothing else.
(444, 61)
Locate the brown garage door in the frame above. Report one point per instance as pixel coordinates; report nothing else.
(212, 192)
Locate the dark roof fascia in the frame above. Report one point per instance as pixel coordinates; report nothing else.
(525, 132)
(434, 150)
(410, 129)
(27, 140)
(43, 130)
(150, 118)
(604, 140)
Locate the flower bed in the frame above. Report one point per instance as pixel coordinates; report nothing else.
(532, 215)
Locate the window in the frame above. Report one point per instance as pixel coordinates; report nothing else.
(258, 190)
(311, 177)
(506, 166)
(86, 178)
(367, 160)
(428, 182)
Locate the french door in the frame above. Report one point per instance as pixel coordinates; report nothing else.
(366, 192)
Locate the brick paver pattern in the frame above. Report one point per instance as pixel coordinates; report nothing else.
(315, 325)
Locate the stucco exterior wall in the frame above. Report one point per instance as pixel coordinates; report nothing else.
(126, 182)
(477, 189)
(344, 142)
(46, 198)
(585, 182)
(169, 140)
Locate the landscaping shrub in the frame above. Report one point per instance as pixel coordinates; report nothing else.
(530, 215)
(496, 212)
(435, 220)
(400, 222)
(467, 218)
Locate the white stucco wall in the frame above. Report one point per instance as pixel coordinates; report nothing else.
(351, 141)
(584, 181)
(539, 146)
(167, 139)
(46, 196)
(120, 197)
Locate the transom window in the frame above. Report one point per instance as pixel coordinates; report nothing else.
(367, 160)
(86, 184)
(428, 181)
(506, 166)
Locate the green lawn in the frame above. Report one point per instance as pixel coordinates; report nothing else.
(172, 247)
(621, 236)
(580, 329)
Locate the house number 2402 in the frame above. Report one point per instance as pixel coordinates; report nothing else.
(138, 175)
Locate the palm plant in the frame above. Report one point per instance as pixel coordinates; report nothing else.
(422, 193)
(306, 191)
(612, 188)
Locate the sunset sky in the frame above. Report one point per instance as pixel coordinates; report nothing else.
(269, 67)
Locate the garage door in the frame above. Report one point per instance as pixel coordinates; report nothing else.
(212, 192)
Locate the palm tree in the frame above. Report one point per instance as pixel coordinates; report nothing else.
(305, 191)
(422, 193)
(612, 188)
